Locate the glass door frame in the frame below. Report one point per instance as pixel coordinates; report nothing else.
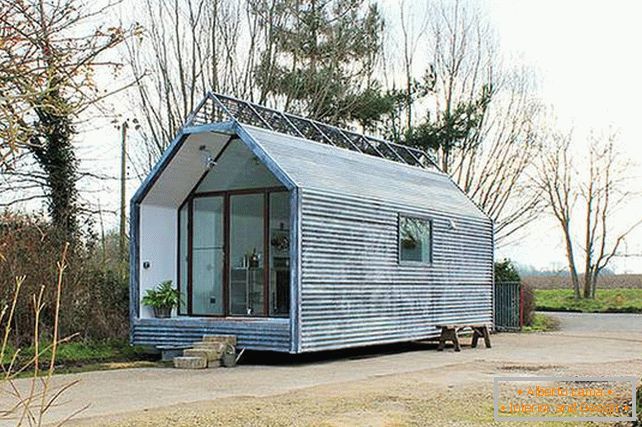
(190, 252)
(266, 191)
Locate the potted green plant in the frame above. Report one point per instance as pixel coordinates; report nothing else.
(162, 299)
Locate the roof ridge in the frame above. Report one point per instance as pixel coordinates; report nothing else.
(217, 107)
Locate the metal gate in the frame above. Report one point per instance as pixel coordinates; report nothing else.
(507, 306)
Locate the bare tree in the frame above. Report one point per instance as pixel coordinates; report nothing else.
(188, 48)
(605, 191)
(492, 165)
(556, 180)
(50, 53)
(589, 196)
(411, 39)
(482, 124)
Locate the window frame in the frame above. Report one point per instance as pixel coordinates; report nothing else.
(431, 239)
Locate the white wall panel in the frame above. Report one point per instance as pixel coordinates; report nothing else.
(158, 246)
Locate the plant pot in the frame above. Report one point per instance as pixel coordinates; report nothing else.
(162, 312)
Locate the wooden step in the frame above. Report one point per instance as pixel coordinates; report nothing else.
(190, 362)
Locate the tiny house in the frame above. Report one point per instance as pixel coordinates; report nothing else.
(298, 236)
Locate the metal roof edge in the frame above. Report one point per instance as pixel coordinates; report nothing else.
(470, 199)
(159, 167)
(263, 155)
(227, 127)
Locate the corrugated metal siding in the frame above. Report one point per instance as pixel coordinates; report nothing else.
(354, 292)
(259, 334)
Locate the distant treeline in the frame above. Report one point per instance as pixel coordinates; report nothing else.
(529, 270)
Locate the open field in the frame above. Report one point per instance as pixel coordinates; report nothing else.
(605, 282)
(606, 301)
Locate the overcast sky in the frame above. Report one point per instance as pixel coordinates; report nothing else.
(586, 56)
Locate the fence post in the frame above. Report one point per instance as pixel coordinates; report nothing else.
(521, 305)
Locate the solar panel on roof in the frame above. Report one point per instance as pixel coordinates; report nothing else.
(216, 108)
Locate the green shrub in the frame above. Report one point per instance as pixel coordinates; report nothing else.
(505, 271)
(528, 304)
(94, 300)
(101, 306)
(541, 323)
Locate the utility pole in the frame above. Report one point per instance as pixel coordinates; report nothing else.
(123, 199)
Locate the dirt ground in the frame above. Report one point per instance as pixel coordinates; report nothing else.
(386, 386)
(454, 395)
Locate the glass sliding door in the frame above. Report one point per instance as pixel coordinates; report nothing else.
(234, 254)
(247, 247)
(207, 256)
(279, 254)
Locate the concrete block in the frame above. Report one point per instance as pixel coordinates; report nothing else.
(218, 346)
(207, 354)
(187, 362)
(170, 354)
(230, 339)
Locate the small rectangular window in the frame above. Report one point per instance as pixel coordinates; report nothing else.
(415, 240)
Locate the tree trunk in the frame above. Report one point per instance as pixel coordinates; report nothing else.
(445, 158)
(572, 269)
(588, 241)
(55, 155)
(595, 277)
(588, 279)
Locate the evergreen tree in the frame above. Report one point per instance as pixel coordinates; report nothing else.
(325, 55)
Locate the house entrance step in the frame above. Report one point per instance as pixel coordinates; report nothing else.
(218, 346)
(229, 339)
(211, 355)
(188, 362)
(206, 353)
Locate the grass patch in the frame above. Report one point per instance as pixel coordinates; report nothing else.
(86, 355)
(542, 323)
(606, 301)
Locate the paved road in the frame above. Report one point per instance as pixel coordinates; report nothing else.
(598, 322)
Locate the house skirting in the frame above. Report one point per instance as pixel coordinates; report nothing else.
(181, 332)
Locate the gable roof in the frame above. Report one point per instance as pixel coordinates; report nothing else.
(216, 107)
(302, 162)
(319, 166)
